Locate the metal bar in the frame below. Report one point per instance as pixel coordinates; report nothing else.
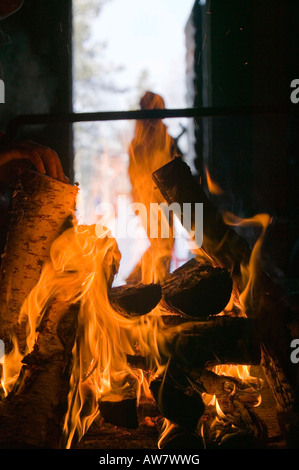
(38, 119)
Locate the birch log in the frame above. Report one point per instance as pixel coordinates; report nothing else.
(41, 209)
(33, 413)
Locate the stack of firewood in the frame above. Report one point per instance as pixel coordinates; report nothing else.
(190, 300)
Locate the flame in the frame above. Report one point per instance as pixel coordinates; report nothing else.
(81, 269)
(167, 427)
(11, 367)
(213, 187)
(251, 271)
(83, 262)
(241, 303)
(151, 148)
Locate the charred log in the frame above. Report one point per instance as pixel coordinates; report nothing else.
(224, 386)
(122, 414)
(224, 244)
(195, 346)
(135, 300)
(194, 290)
(178, 185)
(223, 340)
(197, 290)
(168, 395)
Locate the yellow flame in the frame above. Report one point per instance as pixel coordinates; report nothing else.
(151, 148)
(213, 187)
(81, 268)
(10, 368)
(240, 302)
(167, 427)
(251, 271)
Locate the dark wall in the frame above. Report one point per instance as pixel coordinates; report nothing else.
(36, 67)
(246, 53)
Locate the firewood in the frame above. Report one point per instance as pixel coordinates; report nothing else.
(222, 243)
(135, 300)
(177, 185)
(281, 389)
(33, 413)
(197, 289)
(38, 408)
(179, 405)
(223, 386)
(41, 209)
(194, 346)
(208, 382)
(120, 409)
(223, 340)
(121, 413)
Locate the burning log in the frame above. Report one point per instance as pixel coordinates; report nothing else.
(224, 386)
(197, 290)
(221, 242)
(223, 340)
(178, 185)
(168, 395)
(195, 346)
(36, 411)
(32, 415)
(135, 300)
(122, 413)
(283, 393)
(41, 209)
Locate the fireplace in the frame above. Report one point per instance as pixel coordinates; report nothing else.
(203, 356)
(181, 359)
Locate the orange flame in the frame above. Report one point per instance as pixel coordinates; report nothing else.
(252, 270)
(151, 148)
(241, 302)
(10, 369)
(213, 187)
(82, 265)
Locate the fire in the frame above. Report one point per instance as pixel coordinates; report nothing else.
(251, 271)
(10, 369)
(213, 187)
(167, 427)
(80, 271)
(151, 148)
(101, 368)
(83, 262)
(240, 304)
